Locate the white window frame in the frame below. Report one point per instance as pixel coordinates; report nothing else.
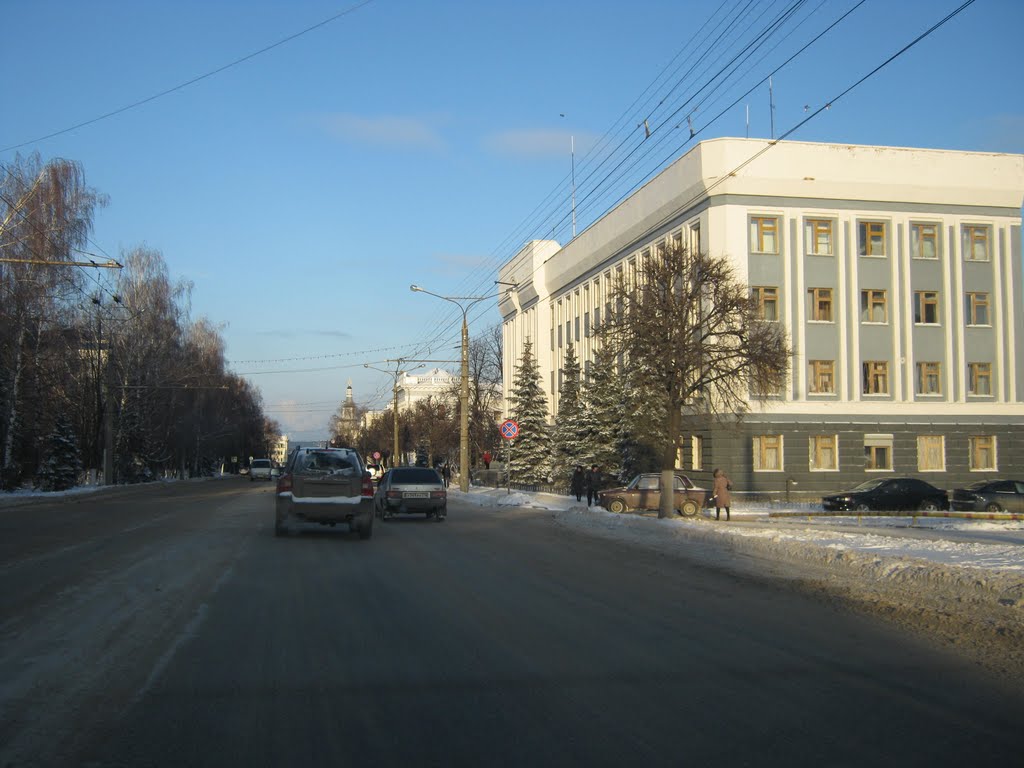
(759, 448)
(878, 441)
(922, 453)
(812, 453)
(971, 453)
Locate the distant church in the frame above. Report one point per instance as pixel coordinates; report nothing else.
(347, 423)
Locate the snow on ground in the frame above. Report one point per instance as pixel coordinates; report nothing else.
(935, 540)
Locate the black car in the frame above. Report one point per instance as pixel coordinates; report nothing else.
(888, 494)
(990, 496)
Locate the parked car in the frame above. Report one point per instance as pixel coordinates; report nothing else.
(259, 469)
(990, 496)
(411, 490)
(888, 494)
(327, 486)
(644, 492)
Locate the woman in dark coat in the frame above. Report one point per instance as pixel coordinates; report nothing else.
(722, 496)
(576, 483)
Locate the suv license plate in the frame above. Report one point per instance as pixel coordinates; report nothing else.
(415, 495)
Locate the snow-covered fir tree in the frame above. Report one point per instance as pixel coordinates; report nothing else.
(572, 442)
(532, 448)
(63, 463)
(641, 433)
(604, 396)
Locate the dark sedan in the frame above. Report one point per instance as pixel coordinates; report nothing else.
(411, 490)
(990, 496)
(888, 494)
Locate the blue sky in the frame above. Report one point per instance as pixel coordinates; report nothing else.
(304, 189)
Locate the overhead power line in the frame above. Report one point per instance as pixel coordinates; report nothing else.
(193, 81)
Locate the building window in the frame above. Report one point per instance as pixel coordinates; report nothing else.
(767, 300)
(983, 453)
(821, 304)
(767, 453)
(874, 307)
(822, 376)
(878, 452)
(976, 242)
(764, 234)
(876, 377)
(818, 237)
(979, 379)
(931, 453)
(924, 241)
(823, 454)
(697, 451)
(871, 238)
(977, 309)
(929, 378)
(926, 307)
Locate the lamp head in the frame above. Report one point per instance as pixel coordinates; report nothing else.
(415, 288)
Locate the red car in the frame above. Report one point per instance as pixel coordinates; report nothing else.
(644, 493)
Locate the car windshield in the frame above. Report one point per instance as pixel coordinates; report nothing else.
(867, 485)
(414, 475)
(981, 485)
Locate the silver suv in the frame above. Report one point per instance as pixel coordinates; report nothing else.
(326, 486)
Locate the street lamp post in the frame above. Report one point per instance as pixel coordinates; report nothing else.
(394, 414)
(463, 303)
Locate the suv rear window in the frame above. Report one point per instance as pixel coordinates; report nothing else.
(326, 461)
(260, 463)
(414, 475)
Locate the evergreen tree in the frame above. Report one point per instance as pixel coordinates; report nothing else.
(572, 442)
(61, 467)
(641, 428)
(532, 449)
(605, 399)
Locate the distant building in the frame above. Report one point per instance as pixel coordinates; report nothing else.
(897, 273)
(279, 449)
(347, 423)
(435, 383)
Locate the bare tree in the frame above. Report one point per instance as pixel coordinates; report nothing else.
(46, 212)
(688, 332)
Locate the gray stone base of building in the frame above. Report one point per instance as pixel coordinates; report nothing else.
(730, 447)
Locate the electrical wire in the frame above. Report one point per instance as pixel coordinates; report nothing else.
(193, 81)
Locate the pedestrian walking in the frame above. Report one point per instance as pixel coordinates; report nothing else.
(446, 473)
(593, 484)
(577, 482)
(487, 459)
(722, 497)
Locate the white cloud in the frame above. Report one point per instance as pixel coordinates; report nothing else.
(385, 131)
(537, 143)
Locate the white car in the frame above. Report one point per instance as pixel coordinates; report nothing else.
(259, 469)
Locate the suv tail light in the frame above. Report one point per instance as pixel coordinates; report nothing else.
(284, 484)
(367, 486)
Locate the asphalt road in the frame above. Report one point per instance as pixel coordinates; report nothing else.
(167, 626)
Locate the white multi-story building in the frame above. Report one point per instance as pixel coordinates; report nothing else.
(897, 273)
(412, 388)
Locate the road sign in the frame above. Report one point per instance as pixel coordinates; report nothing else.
(509, 429)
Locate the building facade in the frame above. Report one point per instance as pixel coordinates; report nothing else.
(896, 272)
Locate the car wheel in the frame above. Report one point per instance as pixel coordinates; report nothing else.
(862, 507)
(993, 508)
(280, 529)
(617, 505)
(690, 508)
(928, 506)
(366, 530)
